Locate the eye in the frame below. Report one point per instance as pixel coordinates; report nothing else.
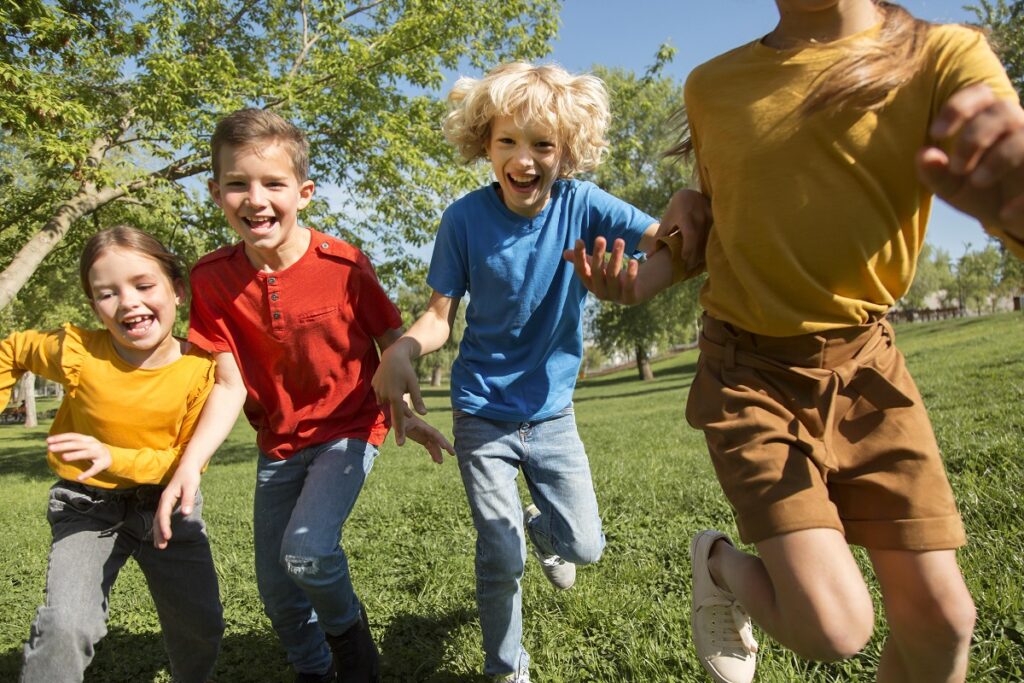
(506, 141)
(144, 286)
(100, 296)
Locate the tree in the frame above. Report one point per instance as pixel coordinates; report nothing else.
(412, 300)
(978, 275)
(112, 102)
(1004, 22)
(636, 172)
(934, 276)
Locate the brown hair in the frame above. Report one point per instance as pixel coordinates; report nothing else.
(861, 80)
(127, 237)
(246, 127)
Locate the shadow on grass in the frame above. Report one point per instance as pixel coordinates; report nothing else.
(413, 647)
(645, 390)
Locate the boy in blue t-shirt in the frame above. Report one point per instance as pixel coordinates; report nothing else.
(513, 380)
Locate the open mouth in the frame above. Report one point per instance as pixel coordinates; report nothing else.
(261, 224)
(523, 183)
(137, 326)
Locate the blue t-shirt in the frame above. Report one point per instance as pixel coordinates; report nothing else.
(523, 343)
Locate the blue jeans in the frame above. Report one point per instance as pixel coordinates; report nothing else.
(95, 531)
(557, 472)
(302, 573)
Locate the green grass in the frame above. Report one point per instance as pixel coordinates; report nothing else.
(410, 539)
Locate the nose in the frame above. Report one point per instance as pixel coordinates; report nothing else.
(522, 157)
(257, 195)
(129, 298)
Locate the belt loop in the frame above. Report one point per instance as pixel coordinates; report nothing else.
(730, 353)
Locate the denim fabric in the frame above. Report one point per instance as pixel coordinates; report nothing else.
(557, 473)
(95, 531)
(302, 573)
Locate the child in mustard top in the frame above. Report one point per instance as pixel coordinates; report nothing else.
(812, 144)
(133, 393)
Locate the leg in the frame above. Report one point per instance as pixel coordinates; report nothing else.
(278, 485)
(805, 590)
(558, 475)
(84, 562)
(489, 455)
(930, 615)
(183, 583)
(310, 550)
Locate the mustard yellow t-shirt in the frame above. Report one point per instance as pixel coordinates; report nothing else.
(818, 220)
(144, 416)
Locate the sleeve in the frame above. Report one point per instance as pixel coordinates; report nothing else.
(375, 310)
(154, 465)
(963, 57)
(203, 329)
(31, 351)
(448, 274)
(612, 218)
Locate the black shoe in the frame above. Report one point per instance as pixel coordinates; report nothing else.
(355, 653)
(329, 677)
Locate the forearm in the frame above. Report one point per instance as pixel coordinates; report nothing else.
(215, 423)
(427, 334)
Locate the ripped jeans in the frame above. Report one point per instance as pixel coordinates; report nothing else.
(302, 573)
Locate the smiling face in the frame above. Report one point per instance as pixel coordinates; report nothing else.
(527, 160)
(261, 197)
(136, 301)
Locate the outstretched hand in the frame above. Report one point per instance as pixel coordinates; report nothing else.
(72, 447)
(983, 173)
(182, 487)
(606, 279)
(395, 378)
(427, 436)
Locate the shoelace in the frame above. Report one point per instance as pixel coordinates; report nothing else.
(742, 632)
(552, 561)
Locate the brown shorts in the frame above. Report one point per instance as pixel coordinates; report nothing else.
(822, 430)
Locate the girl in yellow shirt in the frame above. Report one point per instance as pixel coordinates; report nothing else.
(133, 393)
(820, 146)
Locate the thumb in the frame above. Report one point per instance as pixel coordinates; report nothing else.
(933, 170)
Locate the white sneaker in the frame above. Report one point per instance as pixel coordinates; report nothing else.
(512, 678)
(722, 633)
(560, 573)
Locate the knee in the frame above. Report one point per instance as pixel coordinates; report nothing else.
(500, 560)
(585, 551)
(944, 622)
(835, 634)
(310, 570)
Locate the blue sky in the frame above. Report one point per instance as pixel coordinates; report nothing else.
(628, 34)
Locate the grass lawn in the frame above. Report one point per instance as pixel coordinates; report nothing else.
(410, 539)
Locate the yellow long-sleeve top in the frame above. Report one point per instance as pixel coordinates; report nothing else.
(144, 416)
(819, 220)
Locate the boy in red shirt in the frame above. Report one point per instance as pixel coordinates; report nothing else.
(294, 318)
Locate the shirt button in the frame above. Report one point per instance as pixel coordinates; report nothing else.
(275, 296)
(277, 315)
(324, 245)
(272, 280)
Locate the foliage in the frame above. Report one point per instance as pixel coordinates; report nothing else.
(410, 539)
(636, 172)
(978, 277)
(1004, 22)
(934, 276)
(112, 101)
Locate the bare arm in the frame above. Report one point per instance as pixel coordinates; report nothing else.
(396, 376)
(215, 423)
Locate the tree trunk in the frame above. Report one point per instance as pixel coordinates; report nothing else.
(436, 375)
(28, 394)
(643, 364)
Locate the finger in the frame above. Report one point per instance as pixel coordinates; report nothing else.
(962, 106)
(162, 527)
(188, 500)
(981, 132)
(1012, 218)
(435, 452)
(91, 472)
(417, 398)
(629, 282)
(613, 269)
(1002, 162)
(597, 269)
(72, 456)
(398, 415)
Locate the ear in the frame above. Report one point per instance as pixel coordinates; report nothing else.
(179, 292)
(214, 188)
(306, 190)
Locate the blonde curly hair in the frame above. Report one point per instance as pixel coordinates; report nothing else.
(575, 107)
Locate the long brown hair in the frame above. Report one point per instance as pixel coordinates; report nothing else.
(861, 80)
(127, 237)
